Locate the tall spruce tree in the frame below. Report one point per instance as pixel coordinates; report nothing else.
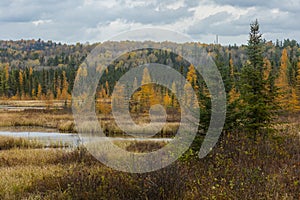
(257, 105)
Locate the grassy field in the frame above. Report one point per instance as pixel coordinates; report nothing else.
(237, 168)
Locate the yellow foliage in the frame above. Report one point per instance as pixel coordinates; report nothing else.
(282, 81)
(39, 92)
(192, 76)
(294, 102)
(167, 100)
(65, 86)
(233, 94)
(267, 68)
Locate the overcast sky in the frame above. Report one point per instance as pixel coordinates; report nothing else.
(71, 21)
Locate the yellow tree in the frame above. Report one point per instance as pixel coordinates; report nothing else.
(118, 99)
(189, 101)
(135, 97)
(103, 107)
(33, 93)
(147, 93)
(146, 76)
(49, 99)
(233, 93)
(174, 93)
(192, 77)
(267, 68)
(167, 100)
(107, 88)
(21, 83)
(30, 71)
(39, 92)
(294, 102)
(6, 72)
(297, 87)
(65, 86)
(282, 81)
(145, 97)
(103, 93)
(58, 91)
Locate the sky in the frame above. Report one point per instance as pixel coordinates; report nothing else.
(72, 21)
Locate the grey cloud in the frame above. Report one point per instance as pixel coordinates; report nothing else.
(290, 6)
(71, 18)
(220, 24)
(243, 3)
(223, 23)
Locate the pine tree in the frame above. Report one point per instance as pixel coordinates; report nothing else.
(257, 107)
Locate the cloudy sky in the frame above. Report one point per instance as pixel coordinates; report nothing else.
(72, 21)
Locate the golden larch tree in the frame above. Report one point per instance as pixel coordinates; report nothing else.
(39, 92)
(233, 93)
(282, 81)
(65, 86)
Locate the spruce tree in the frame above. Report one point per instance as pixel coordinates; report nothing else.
(257, 105)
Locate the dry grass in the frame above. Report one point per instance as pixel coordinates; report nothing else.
(33, 103)
(11, 142)
(144, 147)
(36, 118)
(237, 168)
(7, 142)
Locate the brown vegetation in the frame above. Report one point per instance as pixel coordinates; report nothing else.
(238, 168)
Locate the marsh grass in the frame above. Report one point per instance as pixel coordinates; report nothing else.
(32, 118)
(7, 142)
(237, 168)
(12, 142)
(144, 147)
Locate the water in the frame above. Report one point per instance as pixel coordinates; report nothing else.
(46, 138)
(20, 108)
(70, 139)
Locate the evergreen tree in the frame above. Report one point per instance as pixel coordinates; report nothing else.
(257, 107)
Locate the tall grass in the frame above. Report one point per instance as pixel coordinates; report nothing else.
(238, 168)
(11, 142)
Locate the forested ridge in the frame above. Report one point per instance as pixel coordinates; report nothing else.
(35, 69)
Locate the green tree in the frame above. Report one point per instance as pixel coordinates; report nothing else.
(257, 106)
